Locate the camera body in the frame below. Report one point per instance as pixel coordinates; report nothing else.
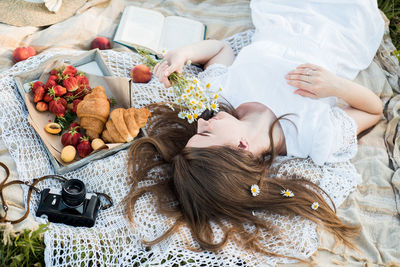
(71, 205)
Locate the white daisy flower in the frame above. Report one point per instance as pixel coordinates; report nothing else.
(287, 193)
(255, 190)
(182, 114)
(315, 205)
(189, 117)
(193, 101)
(215, 106)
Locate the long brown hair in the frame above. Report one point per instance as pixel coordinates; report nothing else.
(213, 184)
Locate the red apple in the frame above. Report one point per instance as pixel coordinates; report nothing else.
(141, 73)
(101, 43)
(22, 53)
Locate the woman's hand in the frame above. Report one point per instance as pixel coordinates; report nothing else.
(173, 61)
(314, 81)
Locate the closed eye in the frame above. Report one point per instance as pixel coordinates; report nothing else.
(205, 133)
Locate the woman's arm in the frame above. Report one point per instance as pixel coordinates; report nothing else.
(313, 81)
(204, 52)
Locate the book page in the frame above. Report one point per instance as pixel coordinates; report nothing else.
(139, 26)
(179, 31)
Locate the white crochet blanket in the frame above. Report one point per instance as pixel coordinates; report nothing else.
(112, 241)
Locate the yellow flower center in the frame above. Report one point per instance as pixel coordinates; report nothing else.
(195, 116)
(254, 190)
(214, 106)
(208, 85)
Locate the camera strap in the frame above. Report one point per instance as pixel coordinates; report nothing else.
(32, 187)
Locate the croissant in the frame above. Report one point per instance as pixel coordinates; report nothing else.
(124, 124)
(93, 112)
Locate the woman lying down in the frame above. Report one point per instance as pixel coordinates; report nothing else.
(223, 168)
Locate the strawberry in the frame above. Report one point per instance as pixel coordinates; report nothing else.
(58, 90)
(75, 105)
(42, 106)
(71, 84)
(54, 72)
(50, 83)
(69, 96)
(72, 137)
(82, 80)
(35, 85)
(47, 97)
(76, 126)
(58, 106)
(69, 70)
(82, 91)
(39, 94)
(84, 148)
(53, 77)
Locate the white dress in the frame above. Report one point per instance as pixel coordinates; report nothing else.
(341, 36)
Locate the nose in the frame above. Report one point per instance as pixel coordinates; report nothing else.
(201, 125)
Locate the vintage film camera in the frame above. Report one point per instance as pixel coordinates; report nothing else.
(71, 205)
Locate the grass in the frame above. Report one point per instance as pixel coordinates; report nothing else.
(27, 248)
(391, 8)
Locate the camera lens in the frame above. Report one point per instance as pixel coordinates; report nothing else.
(73, 192)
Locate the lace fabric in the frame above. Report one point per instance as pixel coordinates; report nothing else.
(112, 241)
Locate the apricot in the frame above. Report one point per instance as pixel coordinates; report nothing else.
(97, 143)
(53, 128)
(100, 43)
(68, 153)
(22, 53)
(141, 73)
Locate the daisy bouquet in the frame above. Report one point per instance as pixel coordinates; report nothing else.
(191, 95)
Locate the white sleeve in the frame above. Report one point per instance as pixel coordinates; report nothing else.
(346, 136)
(214, 74)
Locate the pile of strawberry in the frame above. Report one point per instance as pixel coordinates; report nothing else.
(74, 137)
(64, 89)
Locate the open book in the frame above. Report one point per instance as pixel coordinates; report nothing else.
(148, 29)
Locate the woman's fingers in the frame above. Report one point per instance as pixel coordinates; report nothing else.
(160, 71)
(300, 84)
(305, 93)
(309, 65)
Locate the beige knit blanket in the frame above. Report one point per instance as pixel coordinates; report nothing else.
(376, 202)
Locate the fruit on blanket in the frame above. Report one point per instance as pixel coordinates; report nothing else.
(141, 73)
(71, 83)
(36, 85)
(82, 80)
(38, 94)
(47, 97)
(72, 137)
(84, 148)
(69, 70)
(93, 112)
(58, 106)
(68, 153)
(57, 90)
(100, 43)
(53, 128)
(97, 143)
(75, 105)
(22, 53)
(42, 106)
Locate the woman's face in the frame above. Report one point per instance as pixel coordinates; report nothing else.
(222, 129)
